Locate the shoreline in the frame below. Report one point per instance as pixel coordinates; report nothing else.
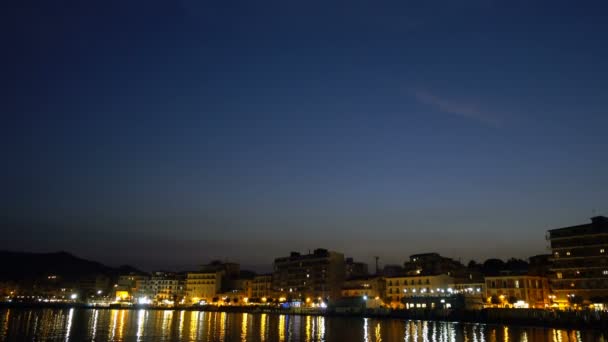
(577, 320)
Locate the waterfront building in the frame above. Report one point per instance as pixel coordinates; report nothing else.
(93, 284)
(126, 285)
(518, 291)
(163, 288)
(203, 286)
(261, 286)
(370, 287)
(580, 262)
(317, 274)
(474, 292)
(230, 273)
(400, 287)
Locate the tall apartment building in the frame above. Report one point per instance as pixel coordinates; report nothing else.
(355, 269)
(202, 285)
(580, 261)
(317, 274)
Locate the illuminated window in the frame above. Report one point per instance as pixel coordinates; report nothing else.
(559, 275)
(517, 284)
(602, 251)
(605, 272)
(567, 253)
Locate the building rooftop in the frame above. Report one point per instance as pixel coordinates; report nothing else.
(317, 253)
(599, 224)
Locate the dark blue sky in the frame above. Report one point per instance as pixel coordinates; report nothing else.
(164, 134)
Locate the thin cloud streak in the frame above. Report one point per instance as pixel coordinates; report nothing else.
(468, 111)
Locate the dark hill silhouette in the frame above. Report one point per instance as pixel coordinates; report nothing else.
(26, 266)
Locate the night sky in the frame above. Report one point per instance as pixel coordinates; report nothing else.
(165, 134)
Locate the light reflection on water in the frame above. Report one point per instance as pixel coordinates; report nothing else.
(167, 325)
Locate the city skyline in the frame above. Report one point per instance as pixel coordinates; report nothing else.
(159, 133)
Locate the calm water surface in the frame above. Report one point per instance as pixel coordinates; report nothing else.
(152, 325)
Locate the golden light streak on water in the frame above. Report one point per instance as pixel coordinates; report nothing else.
(121, 323)
(308, 328)
(94, 328)
(114, 318)
(425, 331)
(209, 323)
(378, 333)
(263, 328)
(141, 315)
(282, 328)
(167, 318)
(222, 326)
(181, 324)
(193, 328)
(320, 328)
(201, 325)
(7, 317)
(523, 337)
(244, 327)
(69, 324)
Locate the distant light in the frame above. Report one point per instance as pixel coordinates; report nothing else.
(98, 292)
(364, 297)
(323, 305)
(73, 296)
